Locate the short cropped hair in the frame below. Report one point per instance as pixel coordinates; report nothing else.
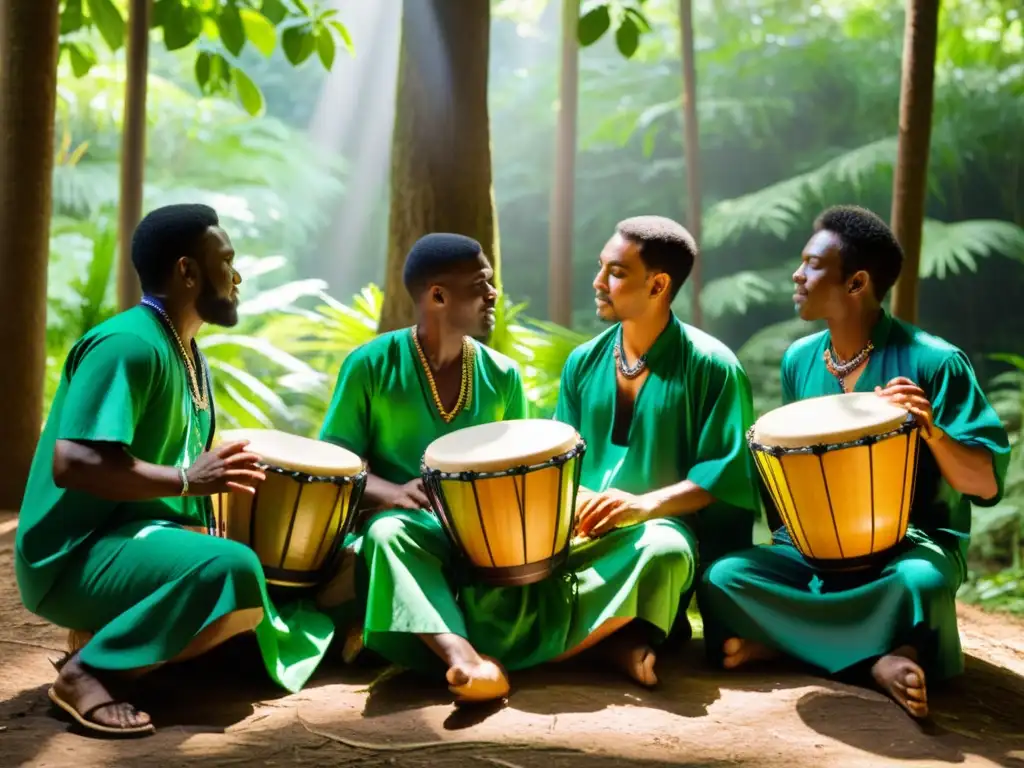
(164, 236)
(665, 245)
(433, 255)
(866, 243)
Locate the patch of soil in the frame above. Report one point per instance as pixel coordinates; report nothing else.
(221, 710)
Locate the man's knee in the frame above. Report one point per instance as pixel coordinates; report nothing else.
(726, 573)
(387, 532)
(924, 577)
(233, 561)
(666, 542)
(403, 531)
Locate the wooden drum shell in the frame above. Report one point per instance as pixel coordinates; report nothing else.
(512, 527)
(515, 528)
(299, 515)
(295, 526)
(844, 504)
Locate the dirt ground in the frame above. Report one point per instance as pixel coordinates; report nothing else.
(221, 711)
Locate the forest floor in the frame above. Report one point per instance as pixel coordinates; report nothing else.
(221, 710)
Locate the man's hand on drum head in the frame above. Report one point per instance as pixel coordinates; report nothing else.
(226, 468)
(906, 394)
(599, 513)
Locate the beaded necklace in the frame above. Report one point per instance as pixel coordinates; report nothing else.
(628, 371)
(466, 385)
(200, 397)
(843, 368)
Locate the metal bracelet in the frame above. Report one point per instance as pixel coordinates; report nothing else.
(184, 480)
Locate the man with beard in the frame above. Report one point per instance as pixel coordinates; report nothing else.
(397, 394)
(124, 469)
(664, 408)
(897, 623)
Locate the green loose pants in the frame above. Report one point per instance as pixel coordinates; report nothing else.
(641, 572)
(773, 596)
(146, 589)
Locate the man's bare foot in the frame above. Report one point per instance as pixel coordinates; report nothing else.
(483, 680)
(899, 675)
(633, 655)
(739, 652)
(82, 695)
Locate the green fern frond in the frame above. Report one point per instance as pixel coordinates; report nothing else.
(778, 208)
(948, 248)
(735, 293)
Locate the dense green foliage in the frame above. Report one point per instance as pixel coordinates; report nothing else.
(217, 32)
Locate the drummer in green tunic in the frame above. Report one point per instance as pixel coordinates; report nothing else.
(121, 474)
(898, 623)
(664, 408)
(397, 394)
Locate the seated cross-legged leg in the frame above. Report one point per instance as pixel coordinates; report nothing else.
(631, 583)
(411, 604)
(900, 622)
(149, 593)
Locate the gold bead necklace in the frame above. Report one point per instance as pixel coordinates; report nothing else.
(465, 387)
(199, 397)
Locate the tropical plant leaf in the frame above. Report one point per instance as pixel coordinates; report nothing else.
(778, 208)
(947, 248)
(736, 293)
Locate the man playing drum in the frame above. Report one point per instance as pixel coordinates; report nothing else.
(898, 622)
(664, 408)
(397, 394)
(121, 473)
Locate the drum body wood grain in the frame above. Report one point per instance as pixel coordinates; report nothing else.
(506, 494)
(299, 515)
(841, 471)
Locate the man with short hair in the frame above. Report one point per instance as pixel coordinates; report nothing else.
(122, 471)
(664, 408)
(898, 623)
(397, 394)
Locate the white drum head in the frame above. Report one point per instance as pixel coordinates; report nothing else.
(500, 445)
(828, 419)
(296, 453)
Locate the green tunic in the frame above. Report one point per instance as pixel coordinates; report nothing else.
(383, 410)
(772, 595)
(689, 423)
(130, 572)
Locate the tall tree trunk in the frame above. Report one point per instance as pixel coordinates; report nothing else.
(563, 193)
(133, 149)
(691, 150)
(441, 148)
(28, 91)
(909, 192)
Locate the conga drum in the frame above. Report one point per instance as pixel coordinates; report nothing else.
(506, 494)
(841, 471)
(299, 515)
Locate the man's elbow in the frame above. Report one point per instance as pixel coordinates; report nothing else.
(71, 462)
(987, 489)
(63, 464)
(980, 484)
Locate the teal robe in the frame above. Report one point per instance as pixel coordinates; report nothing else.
(689, 423)
(772, 595)
(131, 573)
(411, 574)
